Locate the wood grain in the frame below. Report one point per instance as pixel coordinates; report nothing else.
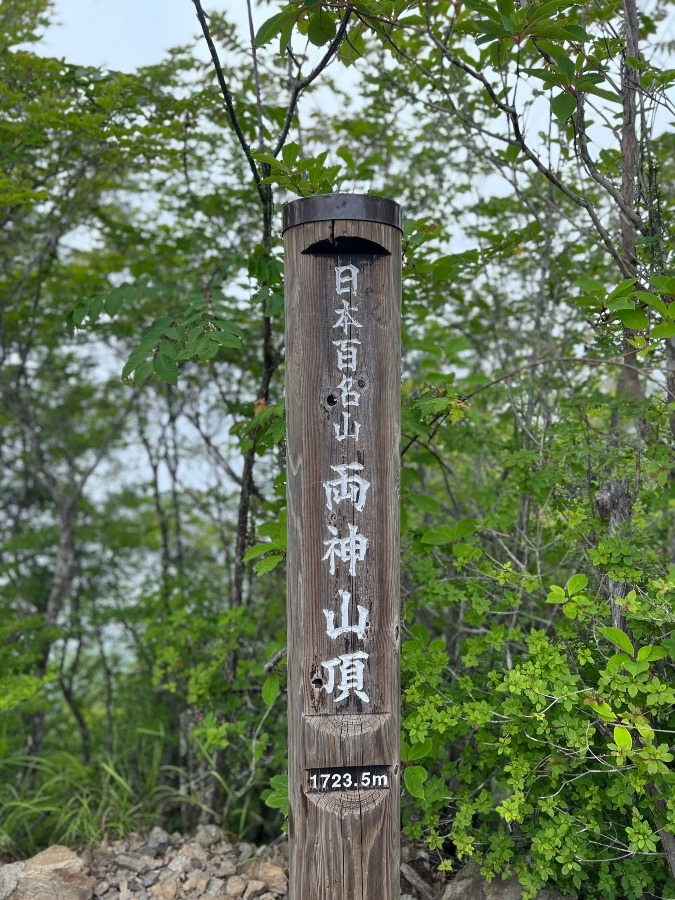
(344, 845)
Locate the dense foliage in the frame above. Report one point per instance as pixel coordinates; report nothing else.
(142, 534)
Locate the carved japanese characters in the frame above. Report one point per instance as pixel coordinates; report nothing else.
(346, 672)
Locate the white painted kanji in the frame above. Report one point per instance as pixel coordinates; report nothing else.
(351, 549)
(346, 353)
(347, 486)
(345, 317)
(342, 431)
(351, 675)
(348, 396)
(346, 279)
(346, 672)
(345, 628)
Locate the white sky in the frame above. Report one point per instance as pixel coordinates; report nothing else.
(126, 34)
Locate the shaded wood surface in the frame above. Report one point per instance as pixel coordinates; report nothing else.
(343, 844)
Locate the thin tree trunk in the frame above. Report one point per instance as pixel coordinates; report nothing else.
(629, 379)
(57, 595)
(615, 500)
(615, 504)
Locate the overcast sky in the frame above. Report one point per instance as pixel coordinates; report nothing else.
(125, 34)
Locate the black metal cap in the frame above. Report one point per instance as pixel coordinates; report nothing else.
(325, 207)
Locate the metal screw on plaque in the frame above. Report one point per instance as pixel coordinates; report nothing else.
(343, 360)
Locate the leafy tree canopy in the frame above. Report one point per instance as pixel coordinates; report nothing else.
(142, 536)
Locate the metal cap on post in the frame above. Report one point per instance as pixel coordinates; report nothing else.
(353, 207)
(343, 302)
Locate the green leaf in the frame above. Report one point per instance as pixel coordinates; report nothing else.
(665, 284)
(566, 66)
(617, 637)
(419, 751)
(577, 33)
(633, 318)
(277, 800)
(143, 371)
(165, 368)
(563, 105)
(274, 305)
(575, 584)
(622, 738)
(285, 37)
(353, 47)
(590, 285)
(424, 502)
(616, 662)
(652, 300)
(268, 563)
(414, 778)
(620, 303)
(465, 527)
(664, 330)
(80, 313)
(225, 339)
(605, 712)
(269, 29)
(258, 550)
(651, 653)
(279, 783)
(157, 330)
(436, 537)
(556, 594)
(113, 303)
(636, 668)
(290, 154)
(623, 289)
(270, 690)
(137, 356)
(420, 633)
(612, 96)
(322, 28)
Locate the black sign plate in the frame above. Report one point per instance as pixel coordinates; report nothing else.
(347, 778)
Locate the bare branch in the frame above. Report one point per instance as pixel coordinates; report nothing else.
(256, 78)
(227, 96)
(300, 86)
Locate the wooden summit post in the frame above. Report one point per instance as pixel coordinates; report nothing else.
(343, 360)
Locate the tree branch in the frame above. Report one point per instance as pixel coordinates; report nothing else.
(227, 96)
(300, 86)
(438, 420)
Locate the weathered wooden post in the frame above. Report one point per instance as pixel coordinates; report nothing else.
(343, 301)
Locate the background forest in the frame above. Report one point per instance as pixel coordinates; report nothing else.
(142, 494)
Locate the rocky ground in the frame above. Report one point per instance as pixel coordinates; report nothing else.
(159, 866)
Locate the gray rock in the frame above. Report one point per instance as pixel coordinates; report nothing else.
(54, 874)
(195, 851)
(245, 851)
(470, 885)
(196, 882)
(132, 863)
(235, 886)
(158, 840)
(222, 868)
(180, 864)
(273, 876)
(9, 878)
(254, 889)
(167, 888)
(207, 835)
(215, 886)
